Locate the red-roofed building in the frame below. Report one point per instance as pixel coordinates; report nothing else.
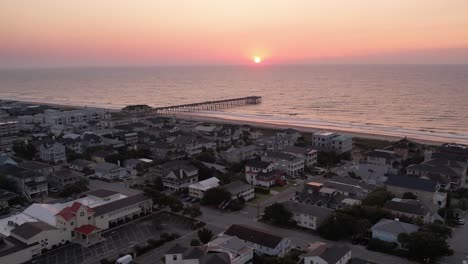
(88, 234)
(78, 218)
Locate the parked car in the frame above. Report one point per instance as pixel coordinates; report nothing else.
(16, 206)
(53, 190)
(461, 221)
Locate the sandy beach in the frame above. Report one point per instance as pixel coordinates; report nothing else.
(269, 125)
(197, 117)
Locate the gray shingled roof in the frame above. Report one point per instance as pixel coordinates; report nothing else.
(394, 227)
(258, 164)
(254, 235)
(307, 209)
(412, 183)
(330, 253)
(30, 229)
(409, 207)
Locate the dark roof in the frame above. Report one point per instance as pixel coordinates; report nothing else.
(258, 164)
(412, 183)
(254, 235)
(113, 206)
(215, 258)
(330, 253)
(307, 209)
(67, 173)
(34, 165)
(409, 207)
(102, 193)
(15, 171)
(30, 229)
(174, 164)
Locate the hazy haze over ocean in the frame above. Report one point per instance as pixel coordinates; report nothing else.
(427, 101)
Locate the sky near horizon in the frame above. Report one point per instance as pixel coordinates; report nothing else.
(152, 32)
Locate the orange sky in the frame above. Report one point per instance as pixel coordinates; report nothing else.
(120, 32)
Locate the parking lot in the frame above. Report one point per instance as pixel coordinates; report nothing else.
(117, 241)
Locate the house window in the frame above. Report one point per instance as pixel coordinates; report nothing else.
(82, 214)
(174, 257)
(72, 223)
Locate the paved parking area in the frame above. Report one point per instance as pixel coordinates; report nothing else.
(116, 241)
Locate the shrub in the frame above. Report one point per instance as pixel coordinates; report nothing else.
(195, 242)
(261, 190)
(382, 246)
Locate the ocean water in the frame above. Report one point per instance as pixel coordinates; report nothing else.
(419, 101)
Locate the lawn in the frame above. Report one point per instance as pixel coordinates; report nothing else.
(259, 198)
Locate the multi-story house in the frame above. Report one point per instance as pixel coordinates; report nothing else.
(72, 144)
(450, 174)
(263, 173)
(110, 171)
(53, 152)
(30, 183)
(180, 178)
(292, 165)
(189, 144)
(329, 141)
(306, 215)
(342, 144)
(236, 155)
(263, 242)
(425, 190)
(307, 153)
(55, 117)
(61, 178)
(8, 128)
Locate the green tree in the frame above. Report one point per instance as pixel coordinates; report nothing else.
(440, 230)
(24, 150)
(425, 246)
(7, 183)
(206, 156)
(277, 214)
(193, 211)
(215, 196)
(175, 204)
(341, 225)
(377, 197)
(463, 204)
(205, 235)
(409, 195)
(195, 242)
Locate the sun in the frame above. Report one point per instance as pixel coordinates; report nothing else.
(257, 59)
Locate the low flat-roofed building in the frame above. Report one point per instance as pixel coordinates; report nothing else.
(239, 189)
(197, 190)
